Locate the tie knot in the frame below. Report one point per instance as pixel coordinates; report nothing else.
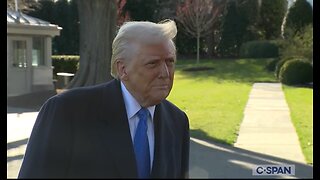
(143, 113)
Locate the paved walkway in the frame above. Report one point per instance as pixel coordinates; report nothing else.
(20, 122)
(267, 127)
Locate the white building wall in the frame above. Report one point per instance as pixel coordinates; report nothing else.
(26, 80)
(42, 75)
(22, 81)
(18, 79)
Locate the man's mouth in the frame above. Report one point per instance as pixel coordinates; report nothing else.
(162, 86)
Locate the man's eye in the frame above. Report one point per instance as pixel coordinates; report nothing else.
(152, 64)
(170, 61)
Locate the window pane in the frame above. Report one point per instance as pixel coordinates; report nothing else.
(19, 54)
(38, 51)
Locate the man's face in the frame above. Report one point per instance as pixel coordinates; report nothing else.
(149, 75)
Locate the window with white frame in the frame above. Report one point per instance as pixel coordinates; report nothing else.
(38, 58)
(19, 53)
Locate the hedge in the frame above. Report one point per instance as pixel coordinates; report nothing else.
(64, 63)
(259, 49)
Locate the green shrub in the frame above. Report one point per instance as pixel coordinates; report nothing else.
(278, 67)
(64, 63)
(259, 49)
(281, 63)
(296, 72)
(271, 65)
(299, 45)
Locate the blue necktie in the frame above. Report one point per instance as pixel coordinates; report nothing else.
(141, 145)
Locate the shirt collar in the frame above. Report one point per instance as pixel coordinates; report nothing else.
(132, 105)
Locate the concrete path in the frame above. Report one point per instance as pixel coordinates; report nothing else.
(20, 122)
(267, 127)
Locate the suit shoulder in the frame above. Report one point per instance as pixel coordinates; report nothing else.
(87, 92)
(81, 95)
(172, 107)
(81, 91)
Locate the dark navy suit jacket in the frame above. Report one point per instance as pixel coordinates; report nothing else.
(84, 133)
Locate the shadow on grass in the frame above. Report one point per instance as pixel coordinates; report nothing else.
(200, 134)
(214, 158)
(199, 68)
(308, 85)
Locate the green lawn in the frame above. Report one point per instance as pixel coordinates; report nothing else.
(214, 100)
(301, 106)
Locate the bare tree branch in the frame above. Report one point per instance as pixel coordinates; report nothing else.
(198, 17)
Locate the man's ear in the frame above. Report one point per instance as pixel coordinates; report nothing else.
(122, 71)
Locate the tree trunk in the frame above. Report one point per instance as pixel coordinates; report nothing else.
(198, 32)
(97, 30)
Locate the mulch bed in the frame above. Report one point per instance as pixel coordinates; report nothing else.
(200, 68)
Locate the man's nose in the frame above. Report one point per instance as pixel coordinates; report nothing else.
(164, 71)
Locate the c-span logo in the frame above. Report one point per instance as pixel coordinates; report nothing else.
(272, 170)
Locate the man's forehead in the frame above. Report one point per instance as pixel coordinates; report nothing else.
(159, 48)
(159, 54)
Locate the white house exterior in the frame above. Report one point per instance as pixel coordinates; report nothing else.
(29, 65)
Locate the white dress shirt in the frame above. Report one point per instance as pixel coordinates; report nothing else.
(132, 107)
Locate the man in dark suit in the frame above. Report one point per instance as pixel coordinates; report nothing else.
(124, 128)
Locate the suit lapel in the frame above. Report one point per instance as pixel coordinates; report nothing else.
(164, 143)
(115, 130)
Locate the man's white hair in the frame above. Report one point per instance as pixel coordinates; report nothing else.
(141, 32)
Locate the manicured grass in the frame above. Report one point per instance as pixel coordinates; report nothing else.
(214, 100)
(301, 106)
